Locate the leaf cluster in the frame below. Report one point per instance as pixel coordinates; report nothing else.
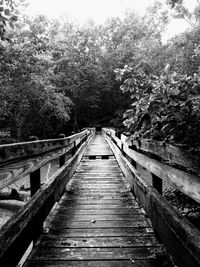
(165, 107)
(8, 17)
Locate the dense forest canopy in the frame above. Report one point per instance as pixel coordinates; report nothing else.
(60, 76)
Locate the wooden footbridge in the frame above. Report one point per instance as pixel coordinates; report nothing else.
(96, 210)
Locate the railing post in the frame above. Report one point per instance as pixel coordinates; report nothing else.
(35, 181)
(35, 184)
(157, 183)
(62, 157)
(74, 148)
(122, 150)
(133, 162)
(62, 160)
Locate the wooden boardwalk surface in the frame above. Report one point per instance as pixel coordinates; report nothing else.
(97, 222)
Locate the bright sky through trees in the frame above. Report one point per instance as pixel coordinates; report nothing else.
(100, 10)
(81, 10)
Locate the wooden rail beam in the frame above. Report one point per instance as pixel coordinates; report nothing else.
(17, 170)
(180, 237)
(19, 160)
(24, 227)
(187, 183)
(172, 155)
(13, 152)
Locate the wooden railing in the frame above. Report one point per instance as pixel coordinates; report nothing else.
(22, 159)
(173, 166)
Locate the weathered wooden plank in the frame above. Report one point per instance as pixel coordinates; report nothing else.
(171, 154)
(98, 146)
(99, 206)
(97, 169)
(98, 157)
(187, 183)
(50, 253)
(99, 176)
(100, 164)
(98, 160)
(88, 176)
(126, 197)
(99, 187)
(94, 263)
(15, 171)
(15, 151)
(133, 241)
(97, 202)
(71, 212)
(96, 180)
(99, 152)
(99, 232)
(100, 224)
(81, 183)
(87, 193)
(104, 194)
(18, 160)
(98, 190)
(95, 174)
(96, 218)
(106, 165)
(101, 149)
(105, 182)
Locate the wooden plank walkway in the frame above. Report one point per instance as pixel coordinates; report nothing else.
(97, 222)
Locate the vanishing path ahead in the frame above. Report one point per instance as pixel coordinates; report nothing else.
(97, 222)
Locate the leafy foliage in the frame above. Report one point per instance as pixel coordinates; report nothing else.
(59, 76)
(8, 16)
(165, 107)
(31, 104)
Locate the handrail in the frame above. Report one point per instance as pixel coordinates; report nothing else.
(20, 159)
(169, 154)
(187, 183)
(23, 228)
(29, 149)
(181, 237)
